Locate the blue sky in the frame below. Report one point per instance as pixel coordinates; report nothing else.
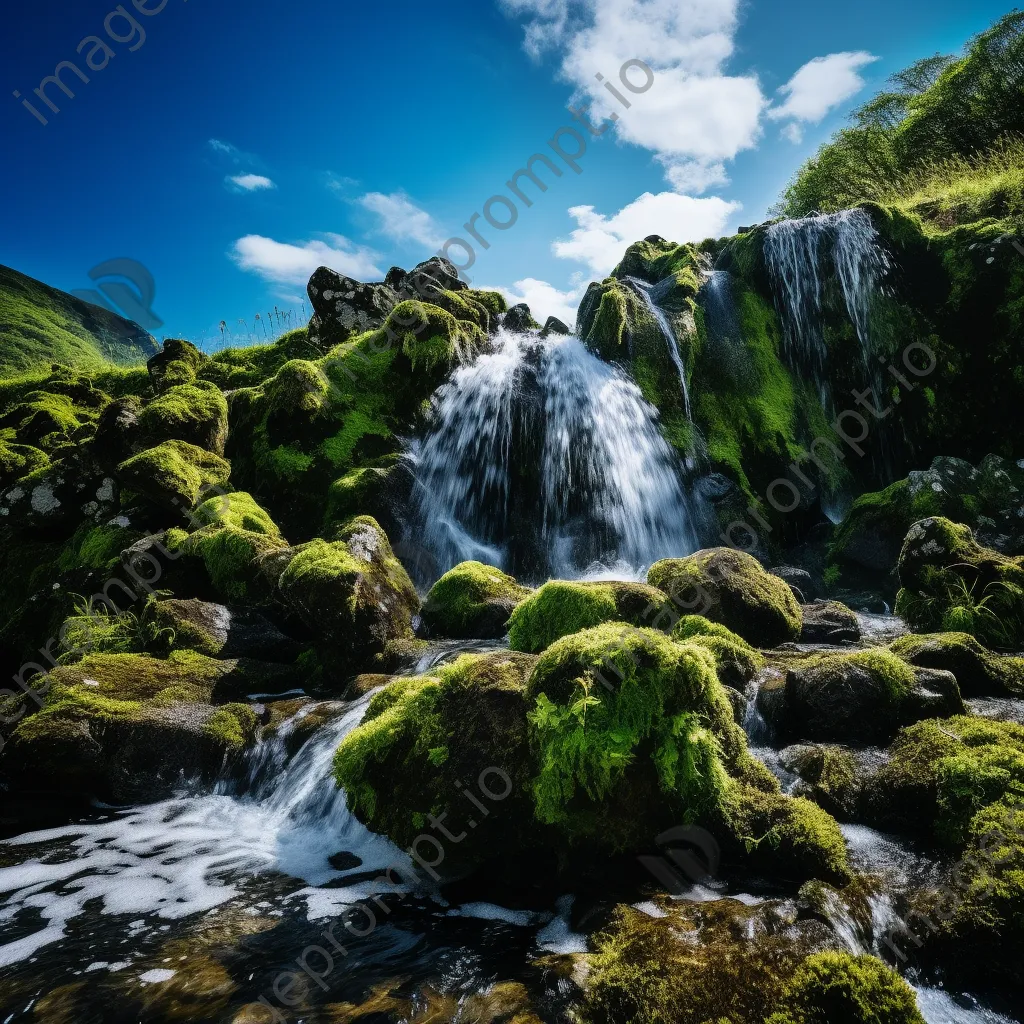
(243, 142)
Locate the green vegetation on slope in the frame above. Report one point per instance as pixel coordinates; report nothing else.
(40, 325)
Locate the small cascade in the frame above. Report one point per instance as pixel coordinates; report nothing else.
(543, 460)
(191, 854)
(649, 295)
(802, 255)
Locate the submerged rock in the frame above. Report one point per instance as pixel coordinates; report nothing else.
(733, 588)
(472, 601)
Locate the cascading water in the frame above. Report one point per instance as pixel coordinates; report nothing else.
(801, 254)
(542, 459)
(189, 855)
(725, 351)
(649, 295)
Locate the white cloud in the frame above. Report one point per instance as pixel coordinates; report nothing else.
(600, 241)
(694, 115)
(545, 299)
(402, 220)
(793, 132)
(250, 182)
(820, 85)
(285, 263)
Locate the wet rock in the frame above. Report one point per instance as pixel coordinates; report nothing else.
(829, 775)
(864, 698)
(221, 632)
(472, 601)
(733, 588)
(519, 320)
(829, 622)
(554, 326)
(800, 582)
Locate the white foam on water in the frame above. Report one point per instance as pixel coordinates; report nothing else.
(492, 912)
(939, 1007)
(558, 936)
(188, 855)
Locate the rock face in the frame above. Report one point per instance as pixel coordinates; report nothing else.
(863, 698)
(989, 498)
(732, 588)
(220, 632)
(952, 583)
(345, 307)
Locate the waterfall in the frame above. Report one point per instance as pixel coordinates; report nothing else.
(647, 294)
(801, 255)
(725, 347)
(541, 459)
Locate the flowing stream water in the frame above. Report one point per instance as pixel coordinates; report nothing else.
(544, 460)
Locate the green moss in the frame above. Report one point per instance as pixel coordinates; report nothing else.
(472, 600)
(560, 608)
(362, 491)
(978, 672)
(233, 532)
(233, 726)
(942, 774)
(732, 588)
(96, 547)
(737, 661)
(837, 988)
(615, 708)
(17, 461)
(174, 473)
(197, 413)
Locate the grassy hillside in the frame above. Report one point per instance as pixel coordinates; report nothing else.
(40, 325)
(943, 142)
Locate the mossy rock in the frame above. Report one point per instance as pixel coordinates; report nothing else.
(953, 584)
(352, 592)
(986, 497)
(174, 474)
(864, 697)
(979, 672)
(176, 363)
(196, 413)
(701, 963)
(634, 733)
(472, 601)
(366, 491)
(941, 774)
(232, 535)
(736, 660)
(838, 988)
(829, 622)
(731, 587)
(314, 421)
(127, 727)
(19, 460)
(560, 608)
(829, 775)
(425, 739)
(46, 420)
(221, 632)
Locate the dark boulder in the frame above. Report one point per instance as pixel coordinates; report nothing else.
(829, 622)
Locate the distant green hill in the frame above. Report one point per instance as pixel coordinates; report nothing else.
(40, 325)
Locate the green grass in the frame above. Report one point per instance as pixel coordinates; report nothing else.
(40, 325)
